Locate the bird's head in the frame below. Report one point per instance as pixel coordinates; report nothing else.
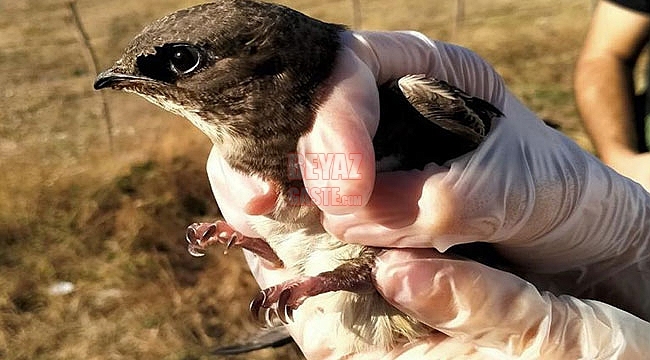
(237, 69)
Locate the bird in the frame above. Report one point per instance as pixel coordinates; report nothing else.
(250, 75)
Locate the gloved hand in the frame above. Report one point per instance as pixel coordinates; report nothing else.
(568, 223)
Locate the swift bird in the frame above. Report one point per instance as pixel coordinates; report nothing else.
(251, 76)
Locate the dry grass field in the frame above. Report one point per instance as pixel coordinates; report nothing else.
(111, 222)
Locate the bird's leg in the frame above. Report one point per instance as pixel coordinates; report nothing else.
(201, 235)
(281, 300)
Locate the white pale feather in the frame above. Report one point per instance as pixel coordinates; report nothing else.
(419, 82)
(218, 135)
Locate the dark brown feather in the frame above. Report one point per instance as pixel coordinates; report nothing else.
(426, 120)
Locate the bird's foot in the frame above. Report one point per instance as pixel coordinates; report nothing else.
(201, 235)
(280, 301)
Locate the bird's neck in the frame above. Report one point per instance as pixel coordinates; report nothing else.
(264, 118)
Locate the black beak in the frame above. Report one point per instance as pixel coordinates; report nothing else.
(111, 78)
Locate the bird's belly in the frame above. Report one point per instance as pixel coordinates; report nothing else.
(358, 322)
(309, 250)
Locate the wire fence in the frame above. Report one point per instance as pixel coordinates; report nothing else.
(53, 32)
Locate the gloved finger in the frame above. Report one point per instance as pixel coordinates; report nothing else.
(391, 217)
(337, 153)
(495, 309)
(440, 207)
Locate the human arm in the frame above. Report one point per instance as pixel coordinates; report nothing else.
(604, 88)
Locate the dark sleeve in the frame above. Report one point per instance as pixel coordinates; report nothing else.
(636, 5)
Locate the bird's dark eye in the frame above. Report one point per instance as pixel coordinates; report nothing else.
(171, 61)
(184, 58)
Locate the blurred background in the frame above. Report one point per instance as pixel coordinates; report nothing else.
(93, 262)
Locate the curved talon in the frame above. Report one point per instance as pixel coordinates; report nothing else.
(268, 316)
(288, 313)
(230, 242)
(194, 251)
(282, 305)
(232, 239)
(209, 232)
(190, 234)
(255, 306)
(288, 309)
(263, 296)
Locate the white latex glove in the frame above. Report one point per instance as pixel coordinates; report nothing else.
(550, 207)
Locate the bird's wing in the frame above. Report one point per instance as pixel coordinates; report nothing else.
(449, 107)
(268, 337)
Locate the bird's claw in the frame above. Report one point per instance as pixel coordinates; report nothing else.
(196, 243)
(194, 251)
(278, 303)
(230, 241)
(198, 237)
(270, 316)
(201, 235)
(286, 312)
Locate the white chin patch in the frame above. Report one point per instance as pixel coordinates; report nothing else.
(189, 114)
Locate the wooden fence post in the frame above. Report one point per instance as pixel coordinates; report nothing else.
(356, 14)
(459, 17)
(84, 39)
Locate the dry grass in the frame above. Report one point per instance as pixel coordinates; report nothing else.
(113, 223)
